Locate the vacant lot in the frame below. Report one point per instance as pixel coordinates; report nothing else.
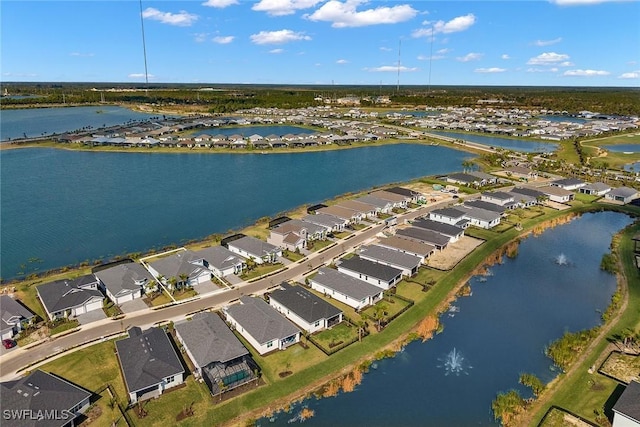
(453, 253)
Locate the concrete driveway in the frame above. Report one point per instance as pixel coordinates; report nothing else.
(133, 306)
(92, 316)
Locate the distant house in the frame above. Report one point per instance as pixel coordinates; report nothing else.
(218, 356)
(14, 317)
(382, 205)
(522, 172)
(261, 325)
(351, 216)
(305, 309)
(622, 194)
(365, 209)
(255, 249)
(149, 363)
(482, 218)
(451, 216)
(406, 263)
(398, 200)
(408, 246)
(372, 272)
(187, 268)
(221, 261)
(294, 234)
(124, 282)
(626, 411)
(345, 288)
(526, 191)
(43, 394)
(595, 189)
(70, 297)
(439, 241)
(568, 183)
(333, 224)
(464, 179)
(490, 206)
(497, 197)
(413, 196)
(454, 233)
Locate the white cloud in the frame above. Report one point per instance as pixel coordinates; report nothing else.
(631, 75)
(542, 70)
(432, 58)
(566, 64)
(344, 15)
(470, 57)
(278, 37)
(220, 4)
(283, 7)
(342, 61)
(586, 73)
(542, 43)
(276, 51)
(457, 24)
(140, 76)
(84, 55)
(181, 19)
(505, 56)
(386, 49)
(200, 37)
(223, 39)
(490, 70)
(391, 68)
(548, 58)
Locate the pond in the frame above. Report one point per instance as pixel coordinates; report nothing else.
(527, 146)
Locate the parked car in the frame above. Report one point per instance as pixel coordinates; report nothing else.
(8, 343)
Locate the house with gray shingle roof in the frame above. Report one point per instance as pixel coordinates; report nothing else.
(451, 216)
(595, 189)
(384, 206)
(622, 194)
(406, 263)
(344, 288)
(333, 224)
(377, 274)
(261, 325)
(218, 356)
(186, 267)
(626, 411)
(568, 183)
(39, 394)
(440, 241)
(70, 297)
(482, 218)
(221, 261)
(14, 317)
(124, 282)
(408, 246)
(149, 363)
(451, 231)
(255, 249)
(490, 206)
(294, 234)
(305, 309)
(501, 198)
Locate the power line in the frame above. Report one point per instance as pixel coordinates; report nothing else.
(144, 51)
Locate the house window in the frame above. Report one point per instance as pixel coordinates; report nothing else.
(270, 344)
(317, 323)
(170, 379)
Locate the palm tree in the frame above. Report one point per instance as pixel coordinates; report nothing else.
(184, 279)
(380, 314)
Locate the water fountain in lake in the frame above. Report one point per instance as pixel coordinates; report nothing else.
(454, 363)
(562, 259)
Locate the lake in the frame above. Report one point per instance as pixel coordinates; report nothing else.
(622, 148)
(34, 122)
(526, 146)
(563, 119)
(553, 285)
(257, 130)
(62, 207)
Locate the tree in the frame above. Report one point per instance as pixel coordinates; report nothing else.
(380, 314)
(172, 283)
(530, 380)
(184, 279)
(467, 165)
(506, 406)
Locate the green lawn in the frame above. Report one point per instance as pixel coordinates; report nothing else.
(292, 256)
(318, 245)
(410, 290)
(393, 306)
(294, 359)
(260, 270)
(340, 333)
(62, 326)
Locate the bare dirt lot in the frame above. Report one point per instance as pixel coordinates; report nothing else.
(453, 253)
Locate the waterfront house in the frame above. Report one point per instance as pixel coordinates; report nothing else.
(149, 363)
(568, 183)
(397, 200)
(383, 206)
(407, 264)
(261, 325)
(364, 209)
(14, 317)
(221, 261)
(41, 394)
(485, 178)
(595, 189)
(305, 309)
(451, 216)
(344, 288)
(439, 241)
(623, 195)
(408, 246)
(497, 197)
(377, 274)
(522, 172)
(349, 215)
(124, 282)
(451, 231)
(70, 297)
(255, 249)
(333, 224)
(218, 356)
(183, 268)
(490, 206)
(294, 234)
(626, 410)
(464, 179)
(482, 218)
(411, 195)
(527, 191)
(557, 194)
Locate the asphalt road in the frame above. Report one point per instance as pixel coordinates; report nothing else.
(20, 358)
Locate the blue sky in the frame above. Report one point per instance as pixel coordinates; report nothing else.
(539, 43)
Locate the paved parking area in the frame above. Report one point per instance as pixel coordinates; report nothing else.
(92, 316)
(132, 306)
(205, 287)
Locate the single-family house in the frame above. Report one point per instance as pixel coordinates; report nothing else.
(595, 189)
(482, 218)
(413, 196)
(218, 356)
(349, 215)
(451, 216)
(490, 206)
(527, 191)
(439, 241)
(149, 363)
(372, 272)
(124, 282)
(185, 268)
(255, 249)
(43, 399)
(408, 246)
(261, 325)
(304, 308)
(294, 234)
(383, 206)
(464, 179)
(398, 200)
(365, 209)
(524, 200)
(622, 194)
(522, 172)
(14, 317)
(342, 287)
(451, 231)
(626, 410)
(221, 261)
(557, 194)
(70, 297)
(333, 224)
(485, 178)
(568, 183)
(501, 198)
(406, 263)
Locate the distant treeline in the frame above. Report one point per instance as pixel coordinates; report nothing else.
(230, 98)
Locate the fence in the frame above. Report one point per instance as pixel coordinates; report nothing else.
(330, 351)
(121, 408)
